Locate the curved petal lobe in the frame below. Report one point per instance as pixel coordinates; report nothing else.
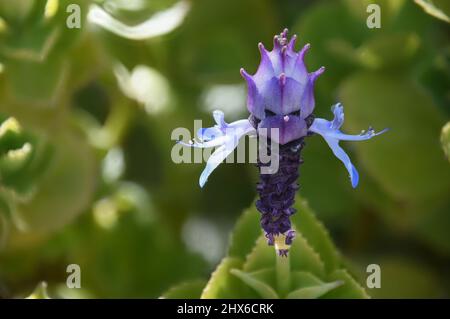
(332, 135)
(224, 136)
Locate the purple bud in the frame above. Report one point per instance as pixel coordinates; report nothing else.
(282, 86)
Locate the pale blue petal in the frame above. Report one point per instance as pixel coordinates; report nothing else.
(219, 117)
(208, 134)
(338, 111)
(212, 143)
(230, 142)
(332, 135)
(214, 160)
(224, 136)
(340, 153)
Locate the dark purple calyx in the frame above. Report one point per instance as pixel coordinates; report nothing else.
(277, 193)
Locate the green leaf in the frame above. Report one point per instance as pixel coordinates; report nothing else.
(64, 190)
(350, 289)
(403, 277)
(262, 256)
(388, 50)
(445, 139)
(316, 235)
(301, 279)
(304, 257)
(37, 83)
(202, 59)
(437, 8)
(186, 290)
(40, 292)
(314, 292)
(402, 160)
(245, 233)
(254, 280)
(223, 285)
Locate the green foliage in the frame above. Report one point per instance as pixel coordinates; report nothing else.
(312, 270)
(86, 175)
(437, 8)
(445, 140)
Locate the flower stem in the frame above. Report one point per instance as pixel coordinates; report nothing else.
(283, 273)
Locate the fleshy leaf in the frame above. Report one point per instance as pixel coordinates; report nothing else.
(186, 290)
(302, 279)
(223, 285)
(245, 233)
(304, 257)
(255, 281)
(314, 292)
(315, 234)
(350, 289)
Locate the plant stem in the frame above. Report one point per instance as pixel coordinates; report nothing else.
(283, 273)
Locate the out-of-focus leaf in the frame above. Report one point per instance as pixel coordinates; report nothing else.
(314, 27)
(388, 51)
(159, 24)
(65, 189)
(255, 281)
(445, 139)
(202, 60)
(390, 9)
(40, 292)
(4, 224)
(185, 290)
(36, 83)
(406, 278)
(402, 160)
(437, 8)
(133, 241)
(341, 205)
(24, 157)
(245, 233)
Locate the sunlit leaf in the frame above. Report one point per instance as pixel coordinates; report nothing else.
(315, 234)
(40, 292)
(445, 139)
(349, 289)
(245, 233)
(313, 292)
(185, 290)
(253, 280)
(403, 160)
(437, 8)
(222, 284)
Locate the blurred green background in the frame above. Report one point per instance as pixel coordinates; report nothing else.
(86, 175)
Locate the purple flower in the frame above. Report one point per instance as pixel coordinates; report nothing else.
(280, 97)
(281, 93)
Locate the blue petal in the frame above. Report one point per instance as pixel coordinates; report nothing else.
(332, 135)
(214, 160)
(209, 133)
(224, 136)
(342, 155)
